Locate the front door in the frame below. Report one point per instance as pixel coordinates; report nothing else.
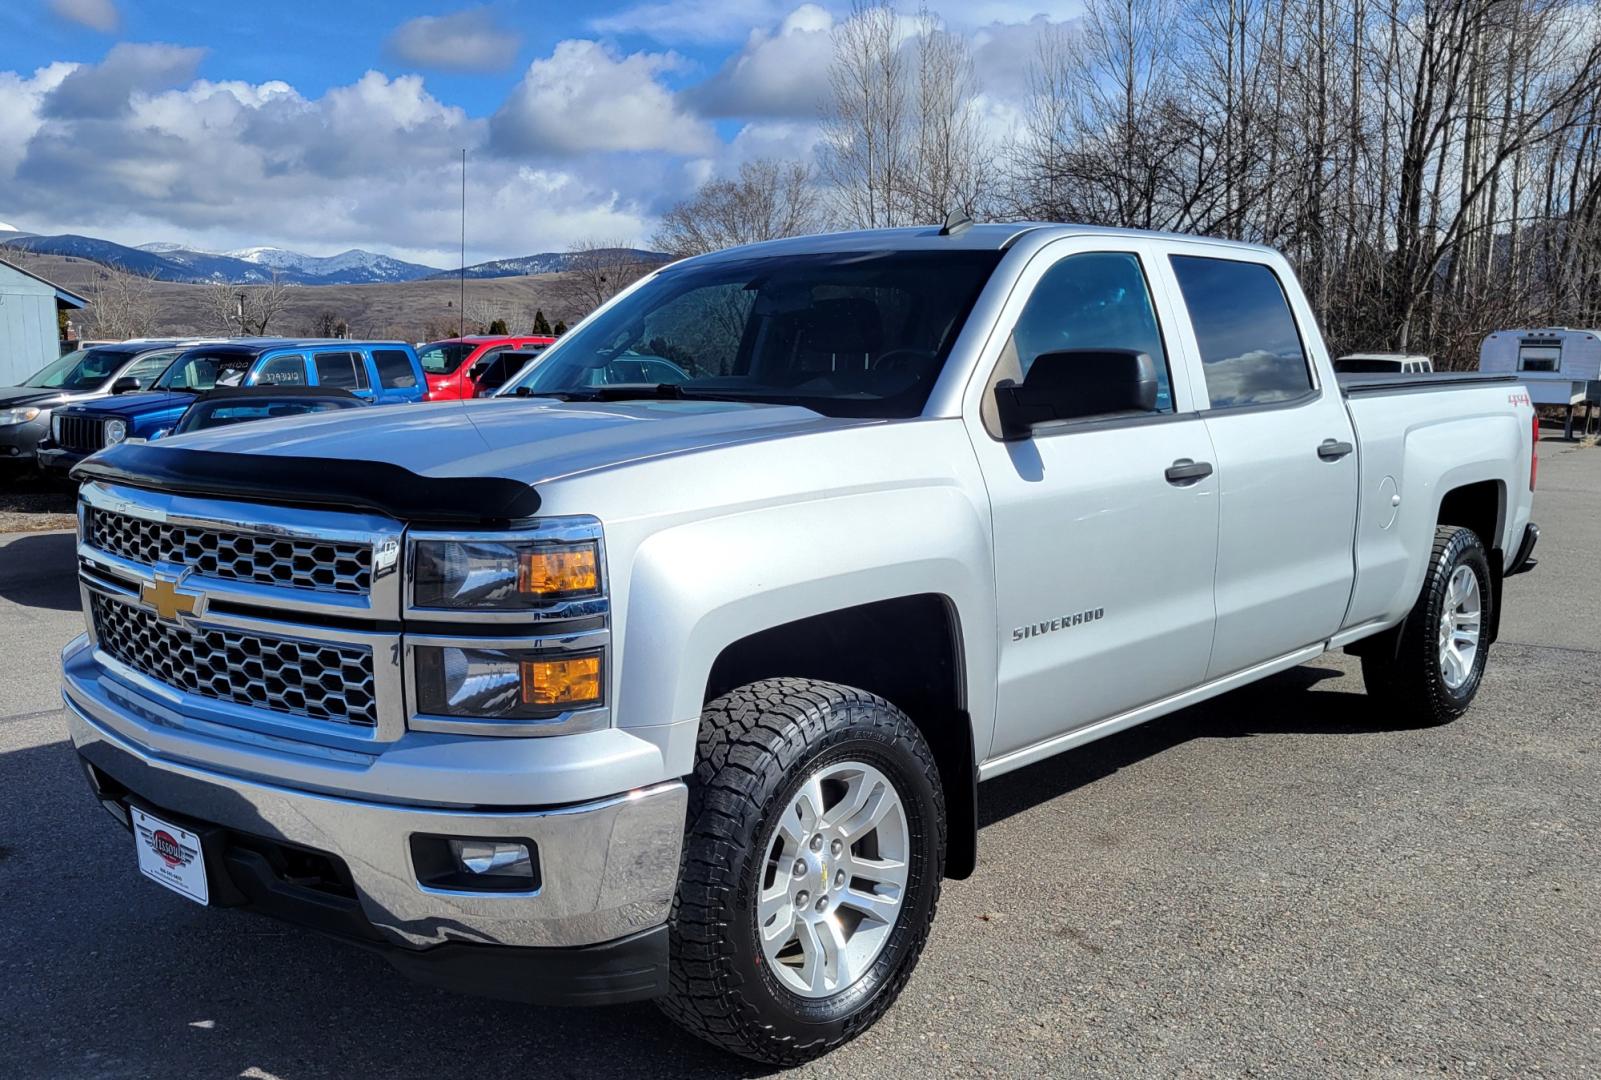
(1103, 561)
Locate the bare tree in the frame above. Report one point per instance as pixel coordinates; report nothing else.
(949, 168)
(329, 324)
(598, 270)
(121, 305)
(865, 152)
(247, 309)
(769, 200)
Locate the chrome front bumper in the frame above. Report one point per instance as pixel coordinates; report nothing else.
(608, 867)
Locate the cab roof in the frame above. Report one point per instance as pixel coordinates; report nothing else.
(257, 346)
(997, 236)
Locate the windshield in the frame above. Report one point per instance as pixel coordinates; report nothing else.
(83, 369)
(221, 413)
(443, 357)
(844, 334)
(199, 371)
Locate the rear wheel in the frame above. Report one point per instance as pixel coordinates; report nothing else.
(1431, 668)
(813, 855)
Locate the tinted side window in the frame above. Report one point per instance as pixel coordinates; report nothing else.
(283, 371)
(147, 369)
(341, 369)
(1097, 300)
(1250, 349)
(394, 369)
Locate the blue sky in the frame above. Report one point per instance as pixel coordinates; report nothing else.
(328, 125)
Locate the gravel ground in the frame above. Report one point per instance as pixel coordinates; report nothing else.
(1267, 885)
(30, 503)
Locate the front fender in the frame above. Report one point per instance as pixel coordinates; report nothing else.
(696, 588)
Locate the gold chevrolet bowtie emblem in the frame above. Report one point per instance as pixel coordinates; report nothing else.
(163, 595)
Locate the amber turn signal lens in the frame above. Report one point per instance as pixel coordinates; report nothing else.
(559, 570)
(569, 680)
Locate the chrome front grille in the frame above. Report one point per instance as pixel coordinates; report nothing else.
(315, 679)
(322, 565)
(81, 433)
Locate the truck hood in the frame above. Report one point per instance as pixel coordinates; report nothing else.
(133, 404)
(529, 440)
(13, 396)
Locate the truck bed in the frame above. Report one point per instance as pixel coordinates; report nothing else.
(1387, 382)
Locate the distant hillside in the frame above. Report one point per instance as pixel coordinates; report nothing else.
(412, 310)
(548, 262)
(252, 266)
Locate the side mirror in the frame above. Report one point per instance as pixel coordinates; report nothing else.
(1076, 383)
(125, 385)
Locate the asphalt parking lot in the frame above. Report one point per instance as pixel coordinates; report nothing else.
(1271, 884)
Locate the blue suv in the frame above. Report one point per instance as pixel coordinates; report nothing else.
(381, 372)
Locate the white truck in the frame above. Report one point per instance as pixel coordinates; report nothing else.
(603, 690)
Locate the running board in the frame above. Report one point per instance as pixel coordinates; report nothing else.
(1112, 725)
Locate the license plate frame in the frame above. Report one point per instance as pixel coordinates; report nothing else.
(170, 855)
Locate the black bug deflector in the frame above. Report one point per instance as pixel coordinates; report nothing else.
(308, 481)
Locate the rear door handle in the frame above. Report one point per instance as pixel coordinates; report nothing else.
(1333, 449)
(1184, 471)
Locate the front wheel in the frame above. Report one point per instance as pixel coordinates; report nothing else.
(813, 854)
(1431, 669)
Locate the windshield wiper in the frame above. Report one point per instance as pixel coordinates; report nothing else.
(613, 392)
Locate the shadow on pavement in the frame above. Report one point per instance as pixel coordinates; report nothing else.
(40, 571)
(1278, 705)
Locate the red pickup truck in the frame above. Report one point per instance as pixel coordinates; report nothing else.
(453, 365)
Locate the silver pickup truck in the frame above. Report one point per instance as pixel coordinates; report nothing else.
(606, 689)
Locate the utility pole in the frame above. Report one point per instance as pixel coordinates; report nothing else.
(241, 314)
(461, 311)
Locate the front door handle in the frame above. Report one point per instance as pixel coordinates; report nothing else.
(1333, 449)
(1184, 471)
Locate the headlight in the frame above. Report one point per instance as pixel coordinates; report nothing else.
(505, 684)
(18, 416)
(116, 431)
(503, 575)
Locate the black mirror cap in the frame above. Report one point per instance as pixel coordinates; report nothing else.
(125, 385)
(1076, 383)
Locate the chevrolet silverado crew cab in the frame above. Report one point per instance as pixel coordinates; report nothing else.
(601, 690)
(381, 372)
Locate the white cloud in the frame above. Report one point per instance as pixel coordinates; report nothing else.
(692, 20)
(106, 88)
(783, 73)
(98, 15)
(223, 165)
(463, 41)
(583, 97)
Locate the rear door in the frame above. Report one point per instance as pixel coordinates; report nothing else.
(344, 370)
(1286, 461)
(397, 374)
(1103, 563)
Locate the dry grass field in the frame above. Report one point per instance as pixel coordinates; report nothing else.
(412, 311)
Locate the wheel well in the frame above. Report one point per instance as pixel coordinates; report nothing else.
(907, 651)
(1479, 507)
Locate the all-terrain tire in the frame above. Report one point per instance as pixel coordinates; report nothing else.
(1406, 673)
(757, 746)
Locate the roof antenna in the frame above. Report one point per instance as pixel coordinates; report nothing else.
(956, 223)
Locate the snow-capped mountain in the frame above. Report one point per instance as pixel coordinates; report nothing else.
(347, 268)
(548, 262)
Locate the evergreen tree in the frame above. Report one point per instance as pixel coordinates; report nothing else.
(498, 328)
(541, 324)
(561, 328)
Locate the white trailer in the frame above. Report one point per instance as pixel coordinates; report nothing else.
(1559, 366)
